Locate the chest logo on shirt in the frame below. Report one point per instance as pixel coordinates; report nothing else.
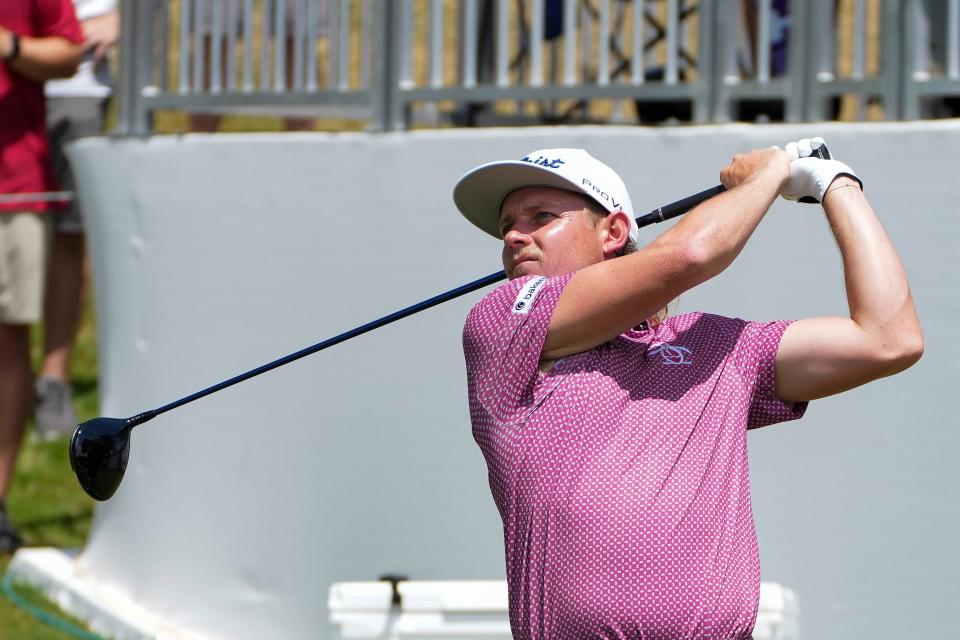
(672, 354)
(527, 295)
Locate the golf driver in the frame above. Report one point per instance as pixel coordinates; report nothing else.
(100, 447)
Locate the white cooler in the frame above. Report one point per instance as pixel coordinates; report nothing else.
(455, 610)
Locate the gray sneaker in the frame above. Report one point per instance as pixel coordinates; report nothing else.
(54, 409)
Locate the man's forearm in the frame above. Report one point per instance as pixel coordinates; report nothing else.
(41, 59)
(720, 227)
(605, 299)
(878, 293)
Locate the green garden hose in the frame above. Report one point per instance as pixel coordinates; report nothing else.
(43, 616)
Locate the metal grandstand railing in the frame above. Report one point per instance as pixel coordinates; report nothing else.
(394, 63)
(931, 61)
(879, 81)
(761, 74)
(252, 55)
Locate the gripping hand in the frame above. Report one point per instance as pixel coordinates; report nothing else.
(812, 171)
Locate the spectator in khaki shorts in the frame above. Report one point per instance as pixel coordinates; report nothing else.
(39, 40)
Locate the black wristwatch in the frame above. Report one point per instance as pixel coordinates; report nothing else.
(14, 48)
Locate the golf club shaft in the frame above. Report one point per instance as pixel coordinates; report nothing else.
(679, 207)
(657, 215)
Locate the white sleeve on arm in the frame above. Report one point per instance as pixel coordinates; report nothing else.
(503, 339)
(93, 8)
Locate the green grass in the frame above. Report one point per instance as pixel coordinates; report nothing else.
(45, 501)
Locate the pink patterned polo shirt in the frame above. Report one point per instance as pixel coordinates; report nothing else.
(621, 475)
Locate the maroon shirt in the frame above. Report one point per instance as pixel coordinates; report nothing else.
(24, 150)
(622, 474)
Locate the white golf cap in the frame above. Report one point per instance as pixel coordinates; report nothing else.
(480, 192)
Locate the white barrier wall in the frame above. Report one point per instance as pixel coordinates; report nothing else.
(215, 254)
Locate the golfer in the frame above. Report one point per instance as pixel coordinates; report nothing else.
(614, 433)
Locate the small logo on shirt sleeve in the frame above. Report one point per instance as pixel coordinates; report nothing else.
(527, 295)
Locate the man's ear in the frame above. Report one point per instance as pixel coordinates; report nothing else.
(616, 228)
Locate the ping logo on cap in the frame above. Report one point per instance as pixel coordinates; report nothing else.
(527, 295)
(545, 162)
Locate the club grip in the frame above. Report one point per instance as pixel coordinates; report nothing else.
(822, 152)
(679, 207)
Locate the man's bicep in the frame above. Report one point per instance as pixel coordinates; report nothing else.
(820, 357)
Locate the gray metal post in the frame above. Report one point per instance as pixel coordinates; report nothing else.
(915, 35)
(603, 50)
(267, 33)
(216, 38)
(820, 60)
(142, 121)
(199, 52)
(637, 66)
(536, 44)
(503, 43)
(953, 40)
(279, 48)
(164, 36)
(468, 46)
(435, 30)
(343, 44)
(724, 61)
(797, 68)
(570, 43)
(672, 74)
(386, 103)
(707, 63)
(233, 14)
(126, 94)
(762, 41)
(891, 58)
(248, 46)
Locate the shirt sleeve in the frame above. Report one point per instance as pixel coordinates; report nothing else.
(756, 356)
(503, 338)
(56, 18)
(93, 8)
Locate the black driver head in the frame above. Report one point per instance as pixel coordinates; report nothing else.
(98, 455)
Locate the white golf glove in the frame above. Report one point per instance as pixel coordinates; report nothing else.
(810, 174)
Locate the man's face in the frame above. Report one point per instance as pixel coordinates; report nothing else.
(548, 232)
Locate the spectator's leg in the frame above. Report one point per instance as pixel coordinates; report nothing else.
(63, 304)
(23, 258)
(16, 396)
(68, 118)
